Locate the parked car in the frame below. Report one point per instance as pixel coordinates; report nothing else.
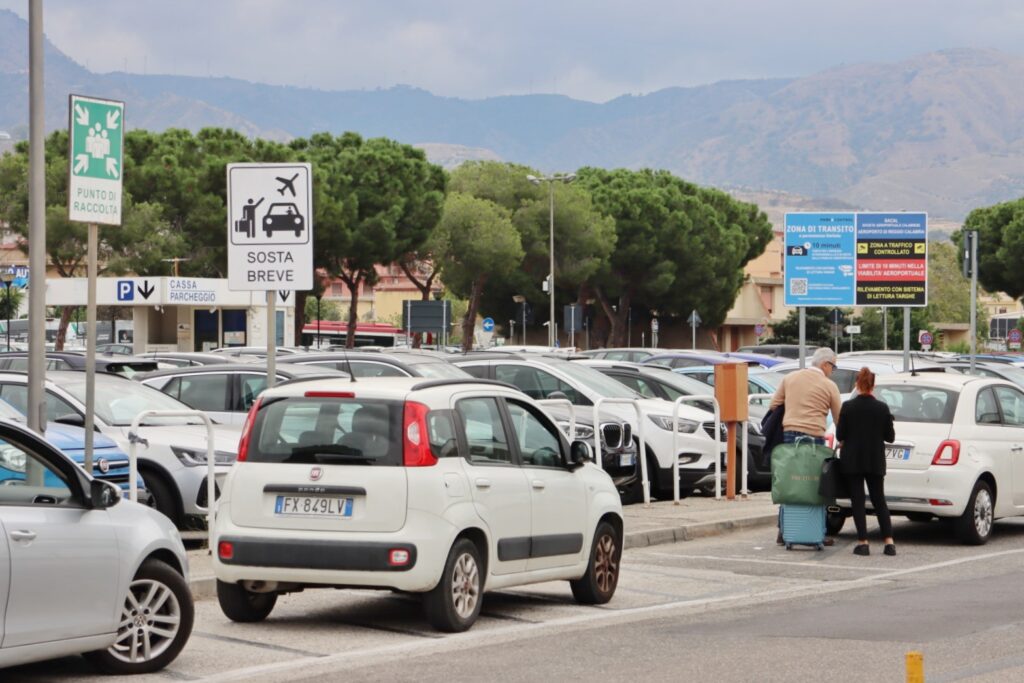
(189, 359)
(957, 453)
(622, 354)
(845, 372)
(542, 377)
(110, 463)
(172, 455)
(226, 392)
(393, 363)
(778, 350)
(85, 571)
(243, 352)
(521, 503)
(1008, 371)
(115, 349)
(683, 359)
(77, 360)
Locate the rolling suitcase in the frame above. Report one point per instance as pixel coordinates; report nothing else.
(802, 525)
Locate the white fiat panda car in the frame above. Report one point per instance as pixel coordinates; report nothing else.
(446, 487)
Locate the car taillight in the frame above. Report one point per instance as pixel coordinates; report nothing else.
(226, 550)
(948, 453)
(250, 420)
(415, 447)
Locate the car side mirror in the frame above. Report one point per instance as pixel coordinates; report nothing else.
(580, 453)
(103, 494)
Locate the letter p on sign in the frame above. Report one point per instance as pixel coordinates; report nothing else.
(125, 290)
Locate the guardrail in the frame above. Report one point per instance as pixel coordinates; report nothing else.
(675, 442)
(133, 460)
(641, 450)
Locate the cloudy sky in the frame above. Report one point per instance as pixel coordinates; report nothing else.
(588, 49)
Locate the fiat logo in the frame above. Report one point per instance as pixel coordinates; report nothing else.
(316, 473)
(103, 465)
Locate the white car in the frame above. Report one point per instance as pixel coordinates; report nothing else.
(82, 571)
(542, 377)
(959, 450)
(443, 487)
(172, 456)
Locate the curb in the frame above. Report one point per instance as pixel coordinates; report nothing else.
(205, 588)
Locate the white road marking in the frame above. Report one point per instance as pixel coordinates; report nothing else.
(795, 563)
(588, 618)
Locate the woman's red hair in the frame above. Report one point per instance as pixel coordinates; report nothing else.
(865, 381)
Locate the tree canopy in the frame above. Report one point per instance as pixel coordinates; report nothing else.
(1000, 246)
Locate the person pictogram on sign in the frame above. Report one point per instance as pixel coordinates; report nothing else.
(247, 223)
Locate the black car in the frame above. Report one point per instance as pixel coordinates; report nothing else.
(410, 363)
(127, 366)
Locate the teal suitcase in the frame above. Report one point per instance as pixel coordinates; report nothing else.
(802, 525)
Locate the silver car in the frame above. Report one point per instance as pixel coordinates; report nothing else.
(81, 570)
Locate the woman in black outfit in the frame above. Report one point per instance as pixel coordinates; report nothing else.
(865, 424)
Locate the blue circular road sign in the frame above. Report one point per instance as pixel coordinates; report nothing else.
(488, 324)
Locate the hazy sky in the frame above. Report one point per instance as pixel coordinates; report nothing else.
(589, 49)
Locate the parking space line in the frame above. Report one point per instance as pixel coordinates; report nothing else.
(255, 643)
(795, 563)
(595, 618)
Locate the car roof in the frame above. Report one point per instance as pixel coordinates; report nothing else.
(381, 387)
(949, 380)
(287, 369)
(399, 358)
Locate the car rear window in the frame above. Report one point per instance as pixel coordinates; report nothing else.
(328, 431)
(909, 403)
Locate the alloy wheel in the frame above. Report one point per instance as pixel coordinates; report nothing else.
(150, 619)
(465, 585)
(606, 568)
(983, 513)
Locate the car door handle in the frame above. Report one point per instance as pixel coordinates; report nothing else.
(1016, 448)
(538, 483)
(483, 483)
(23, 535)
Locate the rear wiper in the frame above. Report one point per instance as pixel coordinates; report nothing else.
(333, 452)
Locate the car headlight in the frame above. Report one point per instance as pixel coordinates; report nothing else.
(583, 432)
(665, 422)
(13, 459)
(194, 457)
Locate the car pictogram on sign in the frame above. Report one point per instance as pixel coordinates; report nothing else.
(283, 216)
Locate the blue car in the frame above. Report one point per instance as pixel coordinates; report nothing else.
(110, 463)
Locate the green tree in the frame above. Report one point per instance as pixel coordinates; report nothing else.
(10, 302)
(1000, 245)
(818, 330)
(375, 201)
(679, 247)
(137, 245)
(479, 242)
(329, 309)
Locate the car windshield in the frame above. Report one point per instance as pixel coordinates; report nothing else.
(1011, 373)
(9, 412)
(119, 401)
(909, 403)
(771, 379)
(441, 371)
(683, 383)
(595, 381)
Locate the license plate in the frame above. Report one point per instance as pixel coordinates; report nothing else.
(897, 453)
(626, 459)
(313, 506)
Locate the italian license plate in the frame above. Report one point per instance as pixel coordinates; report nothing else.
(313, 506)
(897, 453)
(626, 459)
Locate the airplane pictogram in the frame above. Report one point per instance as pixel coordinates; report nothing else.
(287, 184)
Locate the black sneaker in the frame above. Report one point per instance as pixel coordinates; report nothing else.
(778, 539)
(890, 549)
(863, 549)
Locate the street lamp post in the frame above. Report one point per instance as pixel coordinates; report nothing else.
(551, 180)
(7, 277)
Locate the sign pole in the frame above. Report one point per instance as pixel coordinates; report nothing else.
(973, 236)
(885, 328)
(271, 338)
(803, 337)
(90, 347)
(572, 325)
(36, 222)
(906, 338)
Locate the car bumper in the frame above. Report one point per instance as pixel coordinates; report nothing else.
(943, 492)
(335, 558)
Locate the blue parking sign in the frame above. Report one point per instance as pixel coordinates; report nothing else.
(125, 290)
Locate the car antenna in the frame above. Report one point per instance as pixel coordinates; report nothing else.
(913, 370)
(348, 365)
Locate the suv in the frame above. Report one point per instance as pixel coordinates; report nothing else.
(380, 364)
(443, 487)
(542, 377)
(76, 360)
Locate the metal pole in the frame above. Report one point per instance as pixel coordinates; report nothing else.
(572, 325)
(693, 333)
(629, 327)
(551, 275)
(90, 348)
(973, 234)
(885, 328)
(906, 338)
(36, 220)
(803, 336)
(317, 322)
(522, 330)
(8, 285)
(271, 339)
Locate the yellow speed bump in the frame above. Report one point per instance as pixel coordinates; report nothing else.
(915, 667)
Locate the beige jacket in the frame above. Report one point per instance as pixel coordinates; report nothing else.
(809, 396)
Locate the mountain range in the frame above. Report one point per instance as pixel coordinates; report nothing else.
(941, 132)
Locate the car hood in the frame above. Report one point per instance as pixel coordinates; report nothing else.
(225, 437)
(68, 437)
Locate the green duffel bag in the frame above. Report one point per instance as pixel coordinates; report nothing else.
(796, 472)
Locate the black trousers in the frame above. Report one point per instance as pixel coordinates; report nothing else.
(856, 482)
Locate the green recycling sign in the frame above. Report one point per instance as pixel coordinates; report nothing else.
(95, 159)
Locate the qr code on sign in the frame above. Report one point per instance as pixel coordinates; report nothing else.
(798, 286)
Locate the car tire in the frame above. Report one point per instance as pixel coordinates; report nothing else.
(632, 493)
(166, 629)
(162, 496)
(974, 526)
(834, 523)
(455, 602)
(244, 606)
(597, 585)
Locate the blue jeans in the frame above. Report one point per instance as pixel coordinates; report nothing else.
(791, 437)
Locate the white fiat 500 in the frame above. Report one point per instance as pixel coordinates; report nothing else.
(959, 450)
(443, 487)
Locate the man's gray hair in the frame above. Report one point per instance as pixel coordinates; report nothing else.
(823, 355)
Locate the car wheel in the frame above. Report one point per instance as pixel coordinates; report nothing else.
(298, 233)
(834, 522)
(975, 526)
(244, 606)
(161, 496)
(632, 493)
(597, 586)
(921, 517)
(155, 622)
(270, 233)
(455, 602)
